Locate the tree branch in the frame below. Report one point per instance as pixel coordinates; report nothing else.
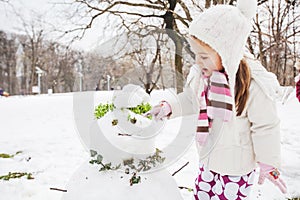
(133, 13)
(261, 2)
(186, 10)
(145, 5)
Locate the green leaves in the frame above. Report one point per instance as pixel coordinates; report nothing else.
(114, 122)
(11, 175)
(133, 120)
(4, 155)
(135, 179)
(93, 153)
(151, 161)
(130, 164)
(102, 109)
(141, 109)
(99, 161)
(99, 158)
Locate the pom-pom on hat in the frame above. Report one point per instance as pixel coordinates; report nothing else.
(225, 28)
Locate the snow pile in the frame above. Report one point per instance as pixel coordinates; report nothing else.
(43, 128)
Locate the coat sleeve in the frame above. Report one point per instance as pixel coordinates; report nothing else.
(265, 126)
(187, 102)
(182, 104)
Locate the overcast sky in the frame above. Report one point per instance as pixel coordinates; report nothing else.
(50, 11)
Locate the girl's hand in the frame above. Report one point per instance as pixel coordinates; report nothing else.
(160, 111)
(272, 174)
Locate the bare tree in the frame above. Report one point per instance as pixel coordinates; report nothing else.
(33, 47)
(3, 42)
(149, 58)
(96, 68)
(160, 13)
(276, 35)
(7, 62)
(175, 15)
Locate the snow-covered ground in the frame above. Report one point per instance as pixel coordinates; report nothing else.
(43, 128)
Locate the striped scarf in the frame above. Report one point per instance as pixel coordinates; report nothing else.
(215, 102)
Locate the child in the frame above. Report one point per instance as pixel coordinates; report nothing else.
(3, 93)
(297, 80)
(237, 124)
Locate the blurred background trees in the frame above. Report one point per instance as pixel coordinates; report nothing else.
(146, 40)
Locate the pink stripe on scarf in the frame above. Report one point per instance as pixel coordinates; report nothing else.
(213, 106)
(213, 112)
(219, 90)
(203, 116)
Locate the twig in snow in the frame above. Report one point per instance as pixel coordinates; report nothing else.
(180, 169)
(189, 189)
(61, 190)
(123, 134)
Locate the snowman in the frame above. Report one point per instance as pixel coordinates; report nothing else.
(116, 139)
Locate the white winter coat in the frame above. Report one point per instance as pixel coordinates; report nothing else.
(234, 148)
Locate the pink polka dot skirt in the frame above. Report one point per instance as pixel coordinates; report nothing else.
(213, 186)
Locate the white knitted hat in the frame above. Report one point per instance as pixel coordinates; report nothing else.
(226, 28)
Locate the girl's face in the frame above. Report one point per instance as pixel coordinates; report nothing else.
(207, 58)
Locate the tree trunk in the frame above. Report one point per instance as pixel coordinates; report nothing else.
(170, 23)
(262, 56)
(207, 3)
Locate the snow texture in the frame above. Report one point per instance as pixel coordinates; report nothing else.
(43, 128)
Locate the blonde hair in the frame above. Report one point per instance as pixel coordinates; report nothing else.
(242, 84)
